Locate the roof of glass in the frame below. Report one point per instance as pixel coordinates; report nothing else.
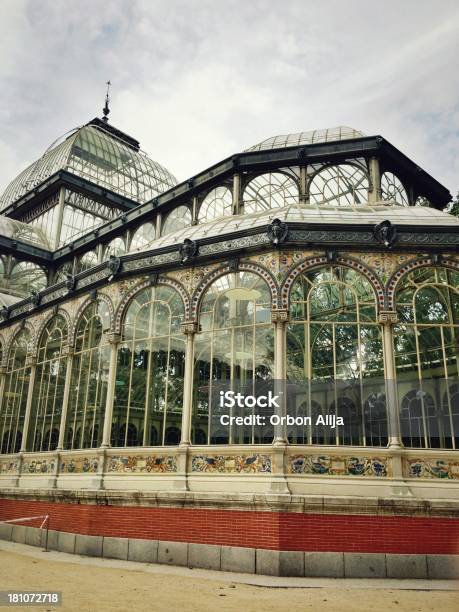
(24, 232)
(370, 215)
(101, 156)
(341, 132)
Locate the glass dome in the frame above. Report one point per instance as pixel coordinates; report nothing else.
(98, 155)
(341, 132)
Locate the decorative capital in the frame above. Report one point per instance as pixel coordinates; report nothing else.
(35, 297)
(113, 338)
(68, 350)
(385, 233)
(279, 316)
(188, 250)
(70, 282)
(277, 231)
(189, 327)
(31, 360)
(114, 265)
(388, 317)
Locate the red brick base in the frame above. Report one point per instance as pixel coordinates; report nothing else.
(254, 529)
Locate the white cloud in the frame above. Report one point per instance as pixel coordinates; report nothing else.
(197, 81)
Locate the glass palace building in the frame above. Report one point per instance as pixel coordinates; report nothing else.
(321, 261)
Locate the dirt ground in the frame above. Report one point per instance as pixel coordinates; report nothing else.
(88, 585)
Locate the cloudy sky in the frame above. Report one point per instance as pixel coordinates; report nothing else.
(198, 80)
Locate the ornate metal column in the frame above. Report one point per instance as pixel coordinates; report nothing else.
(114, 340)
(398, 486)
(68, 351)
(2, 385)
(32, 362)
(189, 328)
(279, 483)
(236, 194)
(387, 319)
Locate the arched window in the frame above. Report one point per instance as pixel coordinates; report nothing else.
(267, 191)
(143, 237)
(150, 372)
(234, 346)
(177, 219)
(217, 203)
(26, 277)
(334, 352)
(86, 261)
(115, 248)
(340, 185)
(426, 356)
(392, 189)
(88, 388)
(46, 408)
(16, 390)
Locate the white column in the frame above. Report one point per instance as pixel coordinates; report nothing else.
(280, 318)
(25, 431)
(65, 400)
(189, 329)
(114, 340)
(374, 193)
(2, 385)
(387, 319)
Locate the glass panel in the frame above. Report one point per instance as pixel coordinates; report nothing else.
(270, 191)
(14, 400)
(150, 372)
(236, 346)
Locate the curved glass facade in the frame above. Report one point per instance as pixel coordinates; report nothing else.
(98, 156)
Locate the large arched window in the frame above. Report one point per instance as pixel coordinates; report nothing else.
(46, 408)
(15, 396)
(177, 219)
(340, 185)
(88, 388)
(426, 343)
(335, 355)
(149, 379)
(143, 237)
(26, 277)
(267, 191)
(234, 346)
(217, 203)
(392, 189)
(115, 248)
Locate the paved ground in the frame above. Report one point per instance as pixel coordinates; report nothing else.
(101, 585)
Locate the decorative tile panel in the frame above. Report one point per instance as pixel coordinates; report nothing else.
(38, 466)
(232, 464)
(142, 464)
(10, 466)
(431, 468)
(324, 465)
(79, 465)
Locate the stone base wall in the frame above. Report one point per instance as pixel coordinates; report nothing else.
(240, 559)
(267, 534)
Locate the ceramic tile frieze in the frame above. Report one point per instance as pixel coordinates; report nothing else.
(325, 465)
(142, 464)
(431, 468)
(79, 465)
(232, 464)
(38, 466)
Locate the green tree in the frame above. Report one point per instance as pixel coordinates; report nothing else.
(454, 206)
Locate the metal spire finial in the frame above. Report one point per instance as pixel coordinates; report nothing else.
(106, 108)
